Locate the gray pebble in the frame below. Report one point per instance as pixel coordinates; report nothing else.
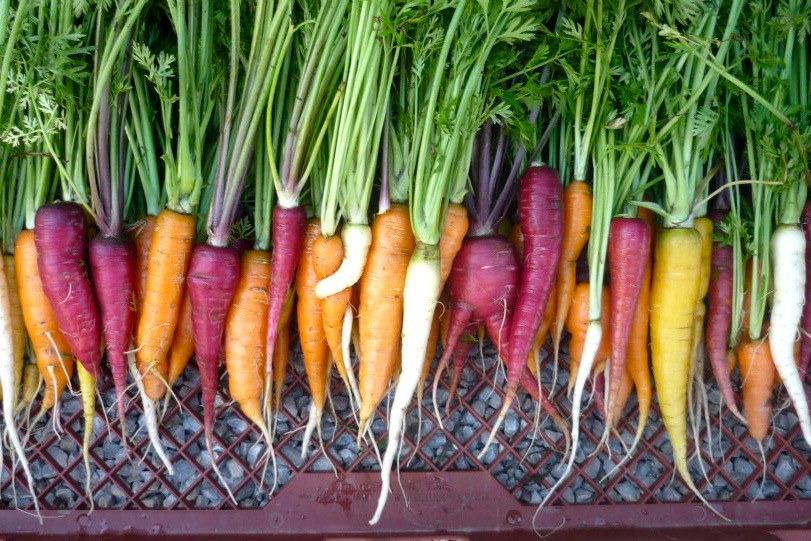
(60, 456)
(479, 407)
(628, 491)
(583, 495)
(341, 403)
(104, 499)
(254, 452)
(465, 433)
(511, 425)
(347, 456)
(234, 469)
(785, 469)
(237, 423)
(592, 469)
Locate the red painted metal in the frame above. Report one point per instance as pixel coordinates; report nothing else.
(452, 494)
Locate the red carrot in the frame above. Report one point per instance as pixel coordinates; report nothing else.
(212, 280)
(540, 211)
(719, 320)
(112, 264)
(628, 252)
(288, 236)
(60, 234)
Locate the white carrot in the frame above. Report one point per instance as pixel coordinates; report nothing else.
(7, 381)
(420, 297)
(357, 238)
(788, 261)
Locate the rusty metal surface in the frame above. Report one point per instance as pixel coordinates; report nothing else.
(448, 491)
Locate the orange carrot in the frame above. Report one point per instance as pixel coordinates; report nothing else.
(245, 332)
(142, 235)
(314, 346)
(182, 348)
(281, 353)
(456, 225)
(53, 356)
(577, 321)
(576, 230)
(169, 256)
(328, 254)
(758, 376)
(381, 306)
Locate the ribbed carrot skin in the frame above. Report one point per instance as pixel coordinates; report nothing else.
(287, 238)
(540, 210)
(52, 352)
(805, 323)
(719, 320)
(628, 252)
(182, 348)
(577, 205)
(212, 281)
(112, 264)
(310, 321)
(60, 233)
(245, 332)
(142, 235)
(380, 316)
(18, 337)
(169, 255)
(758, 379)
(328, 253)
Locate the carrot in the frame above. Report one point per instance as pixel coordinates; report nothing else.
(287, 237)
(719, 321)
(18, 335)
(311, 333)
(638, 362)
(182, 348)
(328, 253)
(577, 323)
(54, 360)
(169, 256)
(245, 336)
(453, 233)
(541, 215)
(758, 380)
(60, 233)
(142, 234)
(9, 384)
(112, 262)
(576, 228)
(281, 354)
(674, 296)
(788, 262)
(628, 253)
(380, 315)
(805, 324)
(31, 383)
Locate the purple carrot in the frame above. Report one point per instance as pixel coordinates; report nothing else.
(805, 324)
(629, 242)
(540, 212)
(212, 281)
(719, 321)
(287, 239)
(112, 266)
(60, 234)
(460, 355)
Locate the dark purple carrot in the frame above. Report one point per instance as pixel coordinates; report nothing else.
(460, 355)
(540, 212)
(212, 281)
(287, 239)
(482, 285)
(112, 265)
(805, 323)
(60, 234)
(719, 320)
(629, 242)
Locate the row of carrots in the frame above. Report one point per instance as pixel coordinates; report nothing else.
(183, 193)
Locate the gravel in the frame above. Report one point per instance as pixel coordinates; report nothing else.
(528, 470)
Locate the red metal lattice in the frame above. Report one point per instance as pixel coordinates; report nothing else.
(524, 466)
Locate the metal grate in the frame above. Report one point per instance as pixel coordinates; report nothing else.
(525, 466)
